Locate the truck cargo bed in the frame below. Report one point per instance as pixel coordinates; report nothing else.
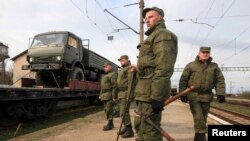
(92, 59)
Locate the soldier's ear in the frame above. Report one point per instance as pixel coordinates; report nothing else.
(160, 17)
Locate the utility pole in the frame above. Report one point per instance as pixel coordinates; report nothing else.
(141, 21)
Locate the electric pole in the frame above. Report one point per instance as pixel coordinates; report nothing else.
(141, 21)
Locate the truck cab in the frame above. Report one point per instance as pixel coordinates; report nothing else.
(59, 56)
(54, 56)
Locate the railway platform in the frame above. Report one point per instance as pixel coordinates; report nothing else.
(176, 120)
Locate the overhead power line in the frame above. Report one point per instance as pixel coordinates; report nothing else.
(123, 6)
(195, 38)
(85, 14)
(230, 6)
(105, 10)
(231, 56)
(210, 18)
(224, 45)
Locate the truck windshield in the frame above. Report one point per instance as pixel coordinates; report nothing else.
(48, 39)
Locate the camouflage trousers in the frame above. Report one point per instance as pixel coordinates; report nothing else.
(108, 109)
(200, 112)
(145, 131)
(124, 112)
(116, 108)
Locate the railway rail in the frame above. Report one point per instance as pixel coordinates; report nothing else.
(229, 116)
(60, 113)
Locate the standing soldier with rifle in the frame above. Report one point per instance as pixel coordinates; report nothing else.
(204, 75)
(155, 67)
(124, 82)
(108, 93)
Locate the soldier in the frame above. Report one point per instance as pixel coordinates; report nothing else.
(204, 75)
(116, 111)
(108, 93)
(124, 82)
(155, 67)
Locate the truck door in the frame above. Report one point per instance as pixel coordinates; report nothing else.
(80, 49)
(72, 50)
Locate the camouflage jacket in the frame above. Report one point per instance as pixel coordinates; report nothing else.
(204, 77)
(109, 86)
(124, 81)
(156, 63)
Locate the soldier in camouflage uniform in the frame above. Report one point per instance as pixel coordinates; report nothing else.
(204, 75)
(108, 93)
(116, 111)
(155, 67)
(124, 83)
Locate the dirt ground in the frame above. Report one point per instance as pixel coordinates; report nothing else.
(176, 120)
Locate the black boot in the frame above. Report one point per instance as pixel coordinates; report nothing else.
(129, 132)
(199, 137)
(137, 139)
(109, 126)
(196, 137)
(203, 137)
(123, 130)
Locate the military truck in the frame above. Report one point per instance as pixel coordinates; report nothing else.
(59, 56)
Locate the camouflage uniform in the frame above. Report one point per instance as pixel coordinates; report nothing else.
(108, 93)
(204, 77)
(124, 82)
(155, 67)
(116, 110)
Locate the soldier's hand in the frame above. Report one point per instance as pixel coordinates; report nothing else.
(133, 68)
(221, 98)
(99, 97)
(157, 106)
(184, 99)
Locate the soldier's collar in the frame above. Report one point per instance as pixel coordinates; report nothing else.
(208, 61)
(159, 24)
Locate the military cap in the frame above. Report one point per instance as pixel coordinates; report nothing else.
(205, 49)
(123, 57)
(106, 64)
(158, 10)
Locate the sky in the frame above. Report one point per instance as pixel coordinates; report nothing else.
(222, 24)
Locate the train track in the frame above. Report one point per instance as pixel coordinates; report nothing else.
(60, 113)
(240, 102)
(229, 116)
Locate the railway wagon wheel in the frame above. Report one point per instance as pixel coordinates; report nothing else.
(5, 119)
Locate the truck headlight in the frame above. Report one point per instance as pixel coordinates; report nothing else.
(58, 58)
(31, 59)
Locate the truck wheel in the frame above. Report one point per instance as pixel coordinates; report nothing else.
(78, 74)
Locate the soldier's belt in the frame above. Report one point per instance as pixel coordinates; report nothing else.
(202, 92)
(146, 71)
(123, 89)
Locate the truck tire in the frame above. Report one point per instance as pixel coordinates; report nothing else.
(78, 74)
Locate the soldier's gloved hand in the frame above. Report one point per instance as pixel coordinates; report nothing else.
(184, 99)
(157, 106)
(221, 98)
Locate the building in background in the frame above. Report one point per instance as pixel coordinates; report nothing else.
(18, 73)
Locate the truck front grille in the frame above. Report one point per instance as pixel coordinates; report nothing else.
(45, 59)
